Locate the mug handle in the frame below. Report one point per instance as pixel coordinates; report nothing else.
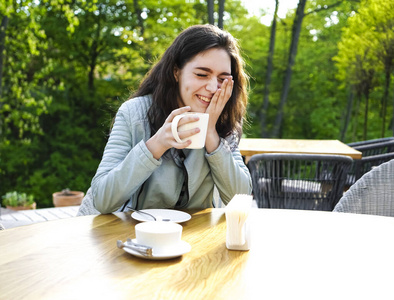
(174, 128)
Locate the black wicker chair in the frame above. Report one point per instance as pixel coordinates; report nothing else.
(373, 154)
(366, 164)
(376, 148)
(367, 142)
(298, 181)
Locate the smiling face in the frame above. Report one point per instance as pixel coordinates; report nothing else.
(201, 77)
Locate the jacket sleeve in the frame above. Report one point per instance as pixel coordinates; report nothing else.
(229, 172)
(125, 165)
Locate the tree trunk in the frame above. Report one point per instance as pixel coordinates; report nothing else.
(94, 53)
(296, 30)
(3, 27)
(348, 114)
(392, 120)
(270, 68)
(221, 13)
(210, 12)
(138, 13)
(365, 129)
(141, 24)
(356, 116)
(384, 101)
(92, 67)
(366, 84)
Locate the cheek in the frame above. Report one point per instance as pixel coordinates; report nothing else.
(188, 86)
(185, 91)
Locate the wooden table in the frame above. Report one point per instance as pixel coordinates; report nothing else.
(251, 146)
(294, 255)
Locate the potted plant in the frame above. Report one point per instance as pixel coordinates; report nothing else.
(18, 201)
(67, 198)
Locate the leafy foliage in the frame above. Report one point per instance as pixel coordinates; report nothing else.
(68, 65)
(17, 199)
(366, 51)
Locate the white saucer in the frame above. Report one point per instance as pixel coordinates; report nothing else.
(179, 250)
(174, 215)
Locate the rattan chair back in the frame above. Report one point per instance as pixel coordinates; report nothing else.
(298, 181)
(372, 194)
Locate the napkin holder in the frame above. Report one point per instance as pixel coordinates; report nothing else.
(238, 233)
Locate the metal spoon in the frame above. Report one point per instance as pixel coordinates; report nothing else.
(158, 218)
(144, 250)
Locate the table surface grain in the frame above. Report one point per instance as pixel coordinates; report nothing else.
(251, 146)
(294, 255)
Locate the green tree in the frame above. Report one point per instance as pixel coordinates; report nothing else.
(67, 65)
(365, 53)
(24, 86)
(268, 76)
(93, 54)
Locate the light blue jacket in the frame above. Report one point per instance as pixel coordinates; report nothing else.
(129, 171)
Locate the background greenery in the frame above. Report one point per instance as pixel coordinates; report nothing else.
(65, 67)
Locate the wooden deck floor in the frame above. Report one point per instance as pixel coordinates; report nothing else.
(10, 218)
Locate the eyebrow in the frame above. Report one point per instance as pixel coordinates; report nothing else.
(209, 70)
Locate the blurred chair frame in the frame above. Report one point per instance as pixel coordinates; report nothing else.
(372, 194)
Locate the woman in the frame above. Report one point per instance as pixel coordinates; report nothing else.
(143, 166)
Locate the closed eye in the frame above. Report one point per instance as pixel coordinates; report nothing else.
(201, 75)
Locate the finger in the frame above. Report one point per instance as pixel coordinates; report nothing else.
(188, 133)
(228, 83)
(225, 93)
(184, 135)
(222, 95)
(227, 89)
(176, 112)
(183, 145)
(215, 97)
(188, 119)
(170, 139)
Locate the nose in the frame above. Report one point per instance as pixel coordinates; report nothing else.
(213, 85)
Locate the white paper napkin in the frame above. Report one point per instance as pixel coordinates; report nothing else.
(238, 230)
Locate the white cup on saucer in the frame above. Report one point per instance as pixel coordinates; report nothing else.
(163, 237)
(198, 139)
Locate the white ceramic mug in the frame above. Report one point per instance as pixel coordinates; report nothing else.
(160, 235)
(198, 140)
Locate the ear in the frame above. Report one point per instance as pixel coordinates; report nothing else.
(176, 73)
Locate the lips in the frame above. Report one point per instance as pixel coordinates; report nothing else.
(203, 98)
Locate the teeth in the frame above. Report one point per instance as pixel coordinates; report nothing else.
(204, 98)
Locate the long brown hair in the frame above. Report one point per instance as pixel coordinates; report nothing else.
(161, 83)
